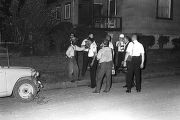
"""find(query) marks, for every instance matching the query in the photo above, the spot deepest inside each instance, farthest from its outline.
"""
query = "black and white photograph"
(89, 59)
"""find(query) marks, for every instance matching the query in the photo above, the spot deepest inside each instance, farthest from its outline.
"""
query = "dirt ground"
(159, 100)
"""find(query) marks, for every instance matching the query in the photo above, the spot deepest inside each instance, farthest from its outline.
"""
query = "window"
(67, 14)
(164, 9)
(112, 9)
(56, 13)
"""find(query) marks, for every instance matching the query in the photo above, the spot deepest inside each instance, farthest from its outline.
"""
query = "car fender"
(10, 89)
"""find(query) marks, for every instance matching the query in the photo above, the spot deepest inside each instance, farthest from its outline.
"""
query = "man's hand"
(124, 64)
(91, 64)
(142, 66)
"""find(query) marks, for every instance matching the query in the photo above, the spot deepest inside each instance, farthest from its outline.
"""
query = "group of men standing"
(102, 58)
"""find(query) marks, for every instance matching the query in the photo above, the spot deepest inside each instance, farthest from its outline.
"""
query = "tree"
(30, 20)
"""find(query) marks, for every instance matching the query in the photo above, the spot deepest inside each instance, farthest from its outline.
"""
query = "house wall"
(139, 16)
(74, 11)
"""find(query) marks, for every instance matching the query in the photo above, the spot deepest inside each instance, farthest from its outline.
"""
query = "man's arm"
(125, 58)
(142, 60)
(79, 48)
(94, 57)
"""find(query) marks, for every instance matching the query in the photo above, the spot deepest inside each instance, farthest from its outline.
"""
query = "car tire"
(25, 90)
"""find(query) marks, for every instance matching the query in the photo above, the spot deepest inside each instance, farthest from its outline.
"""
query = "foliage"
(147, 41)
(176, 43)
(30, 23)
(163, 40)
(59, 35)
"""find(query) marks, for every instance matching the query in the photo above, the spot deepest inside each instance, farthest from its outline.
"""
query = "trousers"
(119, 59)
(133, 69)
(85, 63)
(104, 71)
(73, 70)
(93, 70)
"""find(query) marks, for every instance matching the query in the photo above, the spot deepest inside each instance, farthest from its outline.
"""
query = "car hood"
(19, 70)
(17, 67)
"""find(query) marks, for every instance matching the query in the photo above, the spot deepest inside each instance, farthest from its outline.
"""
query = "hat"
(121, 35)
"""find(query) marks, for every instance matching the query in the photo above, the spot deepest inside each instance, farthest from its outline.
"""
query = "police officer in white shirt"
(134, 60)
(93, 62)
(86, 43)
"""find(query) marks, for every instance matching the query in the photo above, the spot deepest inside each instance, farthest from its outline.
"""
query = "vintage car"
(21, 82)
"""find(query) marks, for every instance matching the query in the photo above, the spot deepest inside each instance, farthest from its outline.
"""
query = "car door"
(2, 81)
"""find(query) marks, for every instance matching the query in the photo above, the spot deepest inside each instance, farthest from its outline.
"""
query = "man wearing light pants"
(104, 68)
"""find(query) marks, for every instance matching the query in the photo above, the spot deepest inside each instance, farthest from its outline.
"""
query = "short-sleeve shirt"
(84, 43)
(135, 48)
(92, 49)
(104, 55)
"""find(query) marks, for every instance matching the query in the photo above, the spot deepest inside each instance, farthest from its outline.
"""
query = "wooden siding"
(74, 11)
(139, 16)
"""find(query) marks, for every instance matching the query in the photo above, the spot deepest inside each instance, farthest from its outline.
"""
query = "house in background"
(147, 17)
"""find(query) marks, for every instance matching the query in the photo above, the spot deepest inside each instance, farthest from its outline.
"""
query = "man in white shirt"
(134, 60)
(105, 67)
(73, 70)
(86, 43)
(93, 62)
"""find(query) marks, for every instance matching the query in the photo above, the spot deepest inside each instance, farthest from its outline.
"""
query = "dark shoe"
(91, 86)
(128, 91)
(96, 91)
(124, 86)
(138, 90)
(106, 91)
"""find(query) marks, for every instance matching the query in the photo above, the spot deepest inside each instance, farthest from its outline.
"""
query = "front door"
(2, 81)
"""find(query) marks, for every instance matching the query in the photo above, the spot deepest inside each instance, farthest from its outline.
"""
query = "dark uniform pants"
(134, 70)
(119, 59)
(104, 68)
(93, 70)
(85, 62)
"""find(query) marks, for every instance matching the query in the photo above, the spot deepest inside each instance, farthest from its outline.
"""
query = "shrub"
(163, 40)
(176, 43)
(60, 35)
(41, 45)
(147, 41)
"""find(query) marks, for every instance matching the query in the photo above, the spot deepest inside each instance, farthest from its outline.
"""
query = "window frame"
(171, 11)
(65, 11)
(58, 7)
